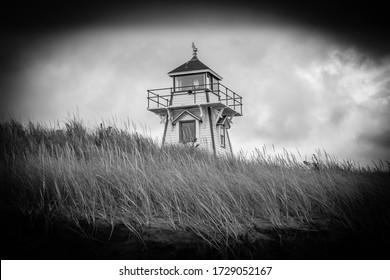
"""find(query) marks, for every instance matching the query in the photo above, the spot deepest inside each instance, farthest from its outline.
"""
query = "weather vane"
(194, 48)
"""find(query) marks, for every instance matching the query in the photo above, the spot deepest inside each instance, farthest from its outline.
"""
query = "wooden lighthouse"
(197, 109)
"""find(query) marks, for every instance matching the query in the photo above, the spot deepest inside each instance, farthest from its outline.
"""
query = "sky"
(311, 78)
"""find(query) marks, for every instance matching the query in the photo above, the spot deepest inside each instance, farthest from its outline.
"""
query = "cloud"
(335, 99)
(376, 137)
(351, 106)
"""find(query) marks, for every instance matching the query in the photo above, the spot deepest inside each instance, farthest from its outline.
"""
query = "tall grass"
(108, 175)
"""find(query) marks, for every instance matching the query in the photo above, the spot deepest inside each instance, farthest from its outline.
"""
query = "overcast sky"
(306, 83)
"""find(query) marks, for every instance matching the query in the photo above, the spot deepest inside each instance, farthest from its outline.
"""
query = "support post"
(169, 116)
(219, 115)
(211, 130)
(165, 129)
(201, 111)
(211, 125)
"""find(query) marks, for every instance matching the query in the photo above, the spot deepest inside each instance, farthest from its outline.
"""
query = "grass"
(109, 175)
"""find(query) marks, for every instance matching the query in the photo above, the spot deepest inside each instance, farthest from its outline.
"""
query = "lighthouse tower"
(197, 109)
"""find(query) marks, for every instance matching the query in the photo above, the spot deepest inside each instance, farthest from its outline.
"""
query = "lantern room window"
(214, 84)
(189, 82)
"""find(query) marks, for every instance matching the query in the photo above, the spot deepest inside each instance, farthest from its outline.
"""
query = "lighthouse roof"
(194, 65)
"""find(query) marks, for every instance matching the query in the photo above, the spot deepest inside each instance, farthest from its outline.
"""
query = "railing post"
(226, 99)
(158, 101)
(241, 105)
(217, 89)
(234, 101)
(148, 98)
(171, 97)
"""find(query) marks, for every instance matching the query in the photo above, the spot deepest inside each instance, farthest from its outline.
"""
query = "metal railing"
(163, 97)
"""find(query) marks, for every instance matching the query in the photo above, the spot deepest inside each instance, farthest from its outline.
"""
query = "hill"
(106, 193)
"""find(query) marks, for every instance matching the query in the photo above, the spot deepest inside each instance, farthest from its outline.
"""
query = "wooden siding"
(230, 143)
(221, 150)
(205, 140)
(172, 134)
(213, 97)
(194, 111)
(203, 134)
(199, 97)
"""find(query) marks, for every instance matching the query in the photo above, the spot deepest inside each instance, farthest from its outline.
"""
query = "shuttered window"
(187, 132)
(223, 136)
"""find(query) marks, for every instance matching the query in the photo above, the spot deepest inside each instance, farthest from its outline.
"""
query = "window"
(189, 82)
(187, 132)
(223, 135)
(215, 85)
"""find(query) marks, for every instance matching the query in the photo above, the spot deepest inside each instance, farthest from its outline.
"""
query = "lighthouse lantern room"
(197, 109)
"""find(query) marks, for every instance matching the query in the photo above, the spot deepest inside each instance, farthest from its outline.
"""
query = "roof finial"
(194, 49)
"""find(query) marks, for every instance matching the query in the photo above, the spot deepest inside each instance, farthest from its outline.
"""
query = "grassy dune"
(107, 175)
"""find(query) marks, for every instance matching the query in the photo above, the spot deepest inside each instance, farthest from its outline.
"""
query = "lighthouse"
(198, 109)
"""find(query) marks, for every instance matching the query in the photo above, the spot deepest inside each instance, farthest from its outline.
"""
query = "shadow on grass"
(32, 237)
